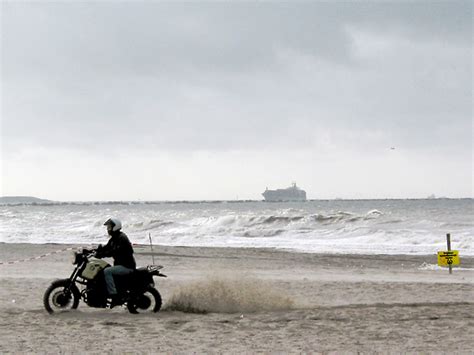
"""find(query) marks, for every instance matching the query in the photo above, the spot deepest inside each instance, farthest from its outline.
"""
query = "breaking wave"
(369, 226)
(150, 225)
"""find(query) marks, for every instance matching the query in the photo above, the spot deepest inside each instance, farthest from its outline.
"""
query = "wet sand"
(262, 301)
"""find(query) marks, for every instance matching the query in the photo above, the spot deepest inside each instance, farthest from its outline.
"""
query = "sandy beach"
(254, 300)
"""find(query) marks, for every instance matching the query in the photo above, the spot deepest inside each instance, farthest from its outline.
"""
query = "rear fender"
(154, 270)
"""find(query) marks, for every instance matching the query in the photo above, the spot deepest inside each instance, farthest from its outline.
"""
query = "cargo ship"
(292, 193)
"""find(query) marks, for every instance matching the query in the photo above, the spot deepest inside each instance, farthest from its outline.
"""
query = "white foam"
(436, 267)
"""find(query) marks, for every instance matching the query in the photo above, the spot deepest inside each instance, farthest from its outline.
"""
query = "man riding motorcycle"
(121, 250)
(92, 280)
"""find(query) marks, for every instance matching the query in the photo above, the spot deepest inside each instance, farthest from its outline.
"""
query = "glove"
(98, 251)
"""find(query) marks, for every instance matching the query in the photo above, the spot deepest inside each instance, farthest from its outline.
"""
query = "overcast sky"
(219, 100)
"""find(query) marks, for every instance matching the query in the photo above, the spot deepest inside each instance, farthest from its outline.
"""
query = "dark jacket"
(119, 248)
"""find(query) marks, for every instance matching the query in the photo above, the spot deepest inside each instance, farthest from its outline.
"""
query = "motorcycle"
(137, 290)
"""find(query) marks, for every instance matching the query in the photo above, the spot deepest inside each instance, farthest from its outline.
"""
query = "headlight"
(74, 258)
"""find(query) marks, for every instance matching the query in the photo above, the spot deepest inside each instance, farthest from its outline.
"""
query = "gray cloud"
(235, 75)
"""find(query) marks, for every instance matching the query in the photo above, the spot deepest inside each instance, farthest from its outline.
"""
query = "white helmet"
(114, 223)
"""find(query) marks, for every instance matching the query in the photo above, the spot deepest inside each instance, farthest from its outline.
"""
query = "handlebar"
(89, 252)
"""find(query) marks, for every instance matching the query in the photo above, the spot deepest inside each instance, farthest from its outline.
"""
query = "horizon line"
(139, 201)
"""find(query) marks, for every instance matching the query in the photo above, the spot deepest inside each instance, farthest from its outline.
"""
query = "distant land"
(30, 200)
(23, 200)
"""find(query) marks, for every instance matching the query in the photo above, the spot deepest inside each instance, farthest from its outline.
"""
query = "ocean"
(319, 226)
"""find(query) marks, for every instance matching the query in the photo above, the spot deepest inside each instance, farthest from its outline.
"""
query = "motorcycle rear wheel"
(149, 301)
(58, 298)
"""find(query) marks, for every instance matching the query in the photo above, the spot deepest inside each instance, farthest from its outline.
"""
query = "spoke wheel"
(58, 298)
(148, 302)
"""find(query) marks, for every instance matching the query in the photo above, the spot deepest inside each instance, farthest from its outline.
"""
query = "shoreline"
(429, 256)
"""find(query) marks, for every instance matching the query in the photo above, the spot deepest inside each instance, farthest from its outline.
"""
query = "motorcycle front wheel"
(148, 302)
(59, 298)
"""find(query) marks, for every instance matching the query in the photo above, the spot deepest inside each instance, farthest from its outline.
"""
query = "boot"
(116, 300)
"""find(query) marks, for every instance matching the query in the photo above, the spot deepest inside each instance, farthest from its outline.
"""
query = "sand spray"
(224, 293)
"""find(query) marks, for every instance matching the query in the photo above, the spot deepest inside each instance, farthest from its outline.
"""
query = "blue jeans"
(109, 277)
